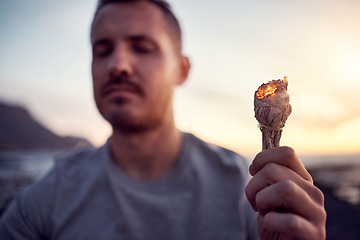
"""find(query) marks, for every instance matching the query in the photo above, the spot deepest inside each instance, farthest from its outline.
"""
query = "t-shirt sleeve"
(246, 211)
(14, 225)
(250, 219)
(28, 216)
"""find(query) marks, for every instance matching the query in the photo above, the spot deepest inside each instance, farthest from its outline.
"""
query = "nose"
(120, 64)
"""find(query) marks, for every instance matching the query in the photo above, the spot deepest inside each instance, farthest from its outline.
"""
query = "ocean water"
(39, 162)
(311, 161)
(19, 169)
(339, 172)
(33, 163)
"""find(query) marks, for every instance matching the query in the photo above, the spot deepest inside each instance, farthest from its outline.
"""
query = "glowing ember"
(272, 109)
(270, 88)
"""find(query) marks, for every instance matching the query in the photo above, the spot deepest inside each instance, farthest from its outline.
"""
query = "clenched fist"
(289, 206)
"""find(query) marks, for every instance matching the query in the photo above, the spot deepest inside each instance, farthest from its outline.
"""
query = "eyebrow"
(134, 38)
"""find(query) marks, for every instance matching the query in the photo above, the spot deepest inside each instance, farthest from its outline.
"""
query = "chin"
(131, 123)
(124, 121)
(131, 118)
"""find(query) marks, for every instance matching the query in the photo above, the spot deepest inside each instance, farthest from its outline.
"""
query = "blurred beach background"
(234, 46)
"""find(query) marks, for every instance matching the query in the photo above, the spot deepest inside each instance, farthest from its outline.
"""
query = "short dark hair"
(160, 4)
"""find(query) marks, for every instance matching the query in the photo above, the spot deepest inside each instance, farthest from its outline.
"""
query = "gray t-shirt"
(87, 196)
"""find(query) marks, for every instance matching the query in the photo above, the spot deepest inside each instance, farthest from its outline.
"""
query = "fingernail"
(251, 170)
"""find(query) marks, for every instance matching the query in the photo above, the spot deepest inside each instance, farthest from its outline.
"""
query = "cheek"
(96, 70)
(162, 83)
(166, 72)
(96, 80)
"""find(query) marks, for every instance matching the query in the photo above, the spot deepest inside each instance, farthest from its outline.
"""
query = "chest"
(189, 209)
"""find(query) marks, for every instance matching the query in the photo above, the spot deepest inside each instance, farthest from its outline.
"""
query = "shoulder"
(32, 212)
(69, 168)
(72, 171)
(77, 161)
(215, 154)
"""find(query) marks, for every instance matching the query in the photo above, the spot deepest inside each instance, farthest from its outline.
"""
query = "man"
(151, 181)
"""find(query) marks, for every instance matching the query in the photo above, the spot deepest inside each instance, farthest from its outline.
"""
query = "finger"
(284, 156)
(273, 173)
(289, 226)
(286, 196)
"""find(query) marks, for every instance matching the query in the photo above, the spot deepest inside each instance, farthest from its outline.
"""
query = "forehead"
(128, 18)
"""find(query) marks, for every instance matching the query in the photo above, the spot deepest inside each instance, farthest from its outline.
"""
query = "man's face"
(135, 66)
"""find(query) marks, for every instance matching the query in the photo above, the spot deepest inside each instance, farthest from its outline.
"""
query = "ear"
(184, 69)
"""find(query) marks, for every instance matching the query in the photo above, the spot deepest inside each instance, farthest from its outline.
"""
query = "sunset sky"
(234, 46)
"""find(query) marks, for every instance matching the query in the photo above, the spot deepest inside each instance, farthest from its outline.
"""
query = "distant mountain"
(18, 130)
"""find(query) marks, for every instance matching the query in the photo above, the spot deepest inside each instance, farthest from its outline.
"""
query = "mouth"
(121, 90)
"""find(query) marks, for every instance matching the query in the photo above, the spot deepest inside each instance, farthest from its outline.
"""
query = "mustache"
(121, 82)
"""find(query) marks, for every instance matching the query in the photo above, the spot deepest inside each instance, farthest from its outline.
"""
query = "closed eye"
(102, 48)
(142, 44)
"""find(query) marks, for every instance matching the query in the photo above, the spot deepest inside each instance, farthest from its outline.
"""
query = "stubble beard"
(127, 122)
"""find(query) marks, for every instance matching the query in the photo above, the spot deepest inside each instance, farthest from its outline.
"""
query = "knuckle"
(270, 170)
(259, 198)
(267, 222)
(288, 190)
(294, 224)
(309, 178)
(321, 214)
(322, 233)
(288, 152)
(289, 187)
(318, 196)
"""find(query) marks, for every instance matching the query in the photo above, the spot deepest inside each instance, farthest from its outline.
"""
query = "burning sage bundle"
(272, 109)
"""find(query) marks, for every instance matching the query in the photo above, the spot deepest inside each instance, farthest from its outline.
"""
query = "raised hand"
(289, 206)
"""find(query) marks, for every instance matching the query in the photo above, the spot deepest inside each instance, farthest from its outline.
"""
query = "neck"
(147, 155)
